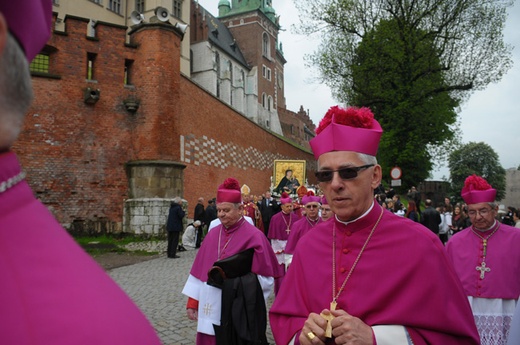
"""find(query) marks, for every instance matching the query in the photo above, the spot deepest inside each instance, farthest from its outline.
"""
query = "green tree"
(479, 159)
(413, 63)
(399, 95)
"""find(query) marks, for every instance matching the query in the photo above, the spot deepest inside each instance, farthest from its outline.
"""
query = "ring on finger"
(311, 335)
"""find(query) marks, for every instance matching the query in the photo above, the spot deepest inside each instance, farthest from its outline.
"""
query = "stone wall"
(85, 160)
(512, 197)
(146, 216)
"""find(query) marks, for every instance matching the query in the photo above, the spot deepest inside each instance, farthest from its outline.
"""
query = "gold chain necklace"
(313, 223)
(220, 252)
(335, 296)
(483, 268)
(287, 225)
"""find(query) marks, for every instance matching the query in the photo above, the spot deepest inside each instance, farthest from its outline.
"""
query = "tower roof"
(220, 36)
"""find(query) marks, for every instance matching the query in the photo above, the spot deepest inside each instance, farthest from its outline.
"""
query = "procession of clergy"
(348, 271)
(362, 276)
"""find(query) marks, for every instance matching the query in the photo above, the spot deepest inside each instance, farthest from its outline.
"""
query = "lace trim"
(493, 329)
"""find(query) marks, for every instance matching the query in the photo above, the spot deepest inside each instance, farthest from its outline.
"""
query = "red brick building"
(114, 120)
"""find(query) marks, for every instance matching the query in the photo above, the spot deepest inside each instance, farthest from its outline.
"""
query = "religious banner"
(288, 175)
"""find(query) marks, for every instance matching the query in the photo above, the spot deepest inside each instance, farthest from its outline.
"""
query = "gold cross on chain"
(329, 318)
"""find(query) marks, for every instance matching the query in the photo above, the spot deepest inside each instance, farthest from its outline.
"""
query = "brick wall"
(76, 154)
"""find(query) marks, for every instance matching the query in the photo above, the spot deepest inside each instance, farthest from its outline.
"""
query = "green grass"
(97, 245)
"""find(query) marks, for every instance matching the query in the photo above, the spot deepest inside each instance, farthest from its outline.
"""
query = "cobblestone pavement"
(155, 286)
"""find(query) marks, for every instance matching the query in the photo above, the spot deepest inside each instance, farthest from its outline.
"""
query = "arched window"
(269, 103)
(265, 45)
(264, 100)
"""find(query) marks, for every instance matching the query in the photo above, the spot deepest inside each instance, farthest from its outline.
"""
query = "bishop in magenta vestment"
(417, 288)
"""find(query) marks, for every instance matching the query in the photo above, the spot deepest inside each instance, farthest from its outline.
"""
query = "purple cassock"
(279, 230)
(492, 283)
(53, 292)
(219, 244)
(300, 228)
(280, 225)
(403, 277)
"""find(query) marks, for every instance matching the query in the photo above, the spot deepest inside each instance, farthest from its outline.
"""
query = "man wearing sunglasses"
(487, 261)
(367, 276)
(311, 204)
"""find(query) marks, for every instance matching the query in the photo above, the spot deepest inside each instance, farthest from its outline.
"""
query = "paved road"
(155, 286)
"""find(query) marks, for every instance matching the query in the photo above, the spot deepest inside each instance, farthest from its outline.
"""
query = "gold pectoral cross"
(329, 318)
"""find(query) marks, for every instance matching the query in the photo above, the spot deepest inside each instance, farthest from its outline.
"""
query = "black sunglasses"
(345, 173)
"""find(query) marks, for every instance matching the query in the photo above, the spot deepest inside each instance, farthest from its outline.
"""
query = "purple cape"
(52, 291)
(278, 225)
(503, 259)
(244, 236)
(300, 228)
(404, 277)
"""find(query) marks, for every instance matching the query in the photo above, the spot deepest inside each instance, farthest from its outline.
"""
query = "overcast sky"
(491, 116)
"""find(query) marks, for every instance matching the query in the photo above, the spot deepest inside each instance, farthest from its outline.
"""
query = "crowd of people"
(327, 254)
(345, 266)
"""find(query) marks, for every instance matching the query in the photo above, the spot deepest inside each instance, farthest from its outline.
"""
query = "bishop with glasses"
(367, 276)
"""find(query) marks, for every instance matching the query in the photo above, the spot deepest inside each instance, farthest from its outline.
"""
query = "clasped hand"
(346, 329)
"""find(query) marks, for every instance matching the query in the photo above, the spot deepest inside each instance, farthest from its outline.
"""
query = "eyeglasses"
(325, 209)
(311, 206)
(345, 173)
(483, 212)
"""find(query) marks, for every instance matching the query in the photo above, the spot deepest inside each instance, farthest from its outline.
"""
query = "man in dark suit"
(430, 217)
(200, 215)
(268, 207)
(210, 213)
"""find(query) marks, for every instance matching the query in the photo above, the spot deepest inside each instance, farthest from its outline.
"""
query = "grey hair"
(367, 159)
(15, 91)
(493, 204)
(177, 200)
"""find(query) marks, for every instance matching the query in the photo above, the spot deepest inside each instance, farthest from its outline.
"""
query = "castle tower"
(255, 26)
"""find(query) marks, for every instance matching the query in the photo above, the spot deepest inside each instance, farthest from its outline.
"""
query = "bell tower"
(255, 27)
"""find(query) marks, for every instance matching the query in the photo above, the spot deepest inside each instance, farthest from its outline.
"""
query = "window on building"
(91, 58)
(114, 6)
(191, 61)
(40, 63)
(128, 71)
(139, 6)
(266, 72)
(177, 8)
(55, 2)
(264, 100)
(217, 63)
(265, 45)
(269, 103)
(232, 82)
